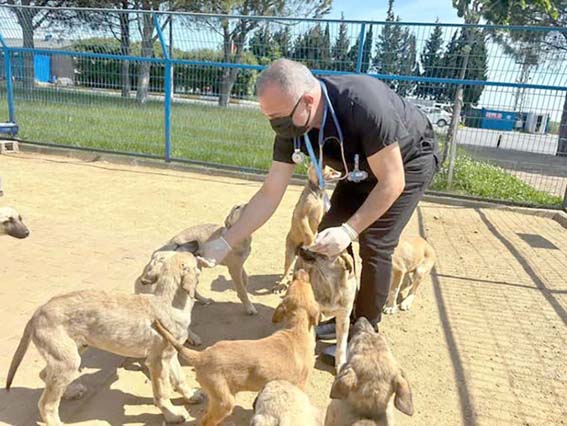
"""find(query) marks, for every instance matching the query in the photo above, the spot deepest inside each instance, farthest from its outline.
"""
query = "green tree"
(396, 52)
(282, 39)
(431, 64)
(341, 48)
(234, 32)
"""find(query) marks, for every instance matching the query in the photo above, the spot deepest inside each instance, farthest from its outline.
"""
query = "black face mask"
(284, 127)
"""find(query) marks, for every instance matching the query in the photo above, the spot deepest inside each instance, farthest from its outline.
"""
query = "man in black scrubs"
(391, 139)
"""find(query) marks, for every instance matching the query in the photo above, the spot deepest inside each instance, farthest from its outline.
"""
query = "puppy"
(229, 367)
(118, 323)
(234, 261)
(306, 217)
(413, 258)
(368, 382)
(281, 403)
(334, 285)
(11, 223)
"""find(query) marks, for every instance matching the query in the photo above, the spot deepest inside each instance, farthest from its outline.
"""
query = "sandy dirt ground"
(484, 343)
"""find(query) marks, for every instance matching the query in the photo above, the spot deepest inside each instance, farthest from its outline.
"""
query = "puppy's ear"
(403, 399)
(302, 275)
(280, 311)
(344, 383)
(313, 314)
(349, 264)
(190, 279)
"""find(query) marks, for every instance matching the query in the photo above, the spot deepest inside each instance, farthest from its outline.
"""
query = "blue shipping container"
(497, 120)
(42, 68)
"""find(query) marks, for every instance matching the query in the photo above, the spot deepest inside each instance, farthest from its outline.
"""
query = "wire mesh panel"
(181, 86)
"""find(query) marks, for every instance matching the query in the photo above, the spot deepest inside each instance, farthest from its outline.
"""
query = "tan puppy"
(413, 258)
(368, 382)
(282, 404)
(234, 261)
(306, 217)
(229, 367)
(334, 284)
(11, 223)
(118, 323)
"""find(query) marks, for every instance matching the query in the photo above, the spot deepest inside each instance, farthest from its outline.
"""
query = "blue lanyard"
(319, 164)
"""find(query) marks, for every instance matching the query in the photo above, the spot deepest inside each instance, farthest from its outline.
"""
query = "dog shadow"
(258, 285)
(239, 415)
(228, 321)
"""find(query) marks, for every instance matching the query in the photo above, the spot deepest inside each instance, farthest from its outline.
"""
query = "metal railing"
(180, 86)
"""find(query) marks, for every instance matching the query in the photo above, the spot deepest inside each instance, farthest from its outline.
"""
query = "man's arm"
(388, 168)
(259, 209)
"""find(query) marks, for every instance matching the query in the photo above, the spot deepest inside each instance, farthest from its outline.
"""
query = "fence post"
(167, 90)
(360, 48)
(9, 83)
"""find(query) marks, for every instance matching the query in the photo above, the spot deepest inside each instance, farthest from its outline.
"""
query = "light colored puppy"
(234, 261)
(118, 323)
(413, 259)
(233, 366)
(11, 223)
(307, 215)
(334, 284)
(282, 404)
(370, 383)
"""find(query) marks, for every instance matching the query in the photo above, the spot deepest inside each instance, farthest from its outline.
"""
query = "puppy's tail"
(192, 357)
(19, 354)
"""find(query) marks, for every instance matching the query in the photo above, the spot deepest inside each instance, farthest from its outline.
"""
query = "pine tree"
(477, 68)
(407, 63)
(432, 64)
(282, 39)
(367, 50)
(341, 49)
(262, 45)
(325, 54)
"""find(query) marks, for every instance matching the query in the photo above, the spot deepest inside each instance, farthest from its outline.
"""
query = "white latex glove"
(213, 252)
(333, 241)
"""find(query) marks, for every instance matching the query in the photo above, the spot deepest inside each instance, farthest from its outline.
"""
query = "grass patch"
(482, 179)
(232, 136)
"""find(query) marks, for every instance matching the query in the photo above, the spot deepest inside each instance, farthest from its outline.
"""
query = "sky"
(408, 10)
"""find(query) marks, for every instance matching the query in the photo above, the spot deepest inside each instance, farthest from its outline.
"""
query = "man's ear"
(280, 311)
(344, 383)
(403, 399)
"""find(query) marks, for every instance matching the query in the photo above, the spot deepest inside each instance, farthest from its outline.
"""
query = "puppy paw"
(75, 391)
(194, 340)
(251, 310)
(197, 397)
(176, 415)
(406, 303)
(389, 310)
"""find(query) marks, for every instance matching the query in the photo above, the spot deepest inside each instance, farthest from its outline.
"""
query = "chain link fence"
(180, 86)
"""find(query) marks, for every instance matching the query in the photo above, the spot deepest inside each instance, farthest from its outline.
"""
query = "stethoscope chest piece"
(298, 157)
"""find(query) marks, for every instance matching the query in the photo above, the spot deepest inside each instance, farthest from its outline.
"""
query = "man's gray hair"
(293, 78)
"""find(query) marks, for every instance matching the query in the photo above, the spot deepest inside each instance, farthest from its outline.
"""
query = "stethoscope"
(356, 175)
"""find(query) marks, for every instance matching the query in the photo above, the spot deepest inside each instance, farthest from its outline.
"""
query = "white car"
(437, 116)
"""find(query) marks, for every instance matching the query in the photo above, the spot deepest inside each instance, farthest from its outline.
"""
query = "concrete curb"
(258, 176)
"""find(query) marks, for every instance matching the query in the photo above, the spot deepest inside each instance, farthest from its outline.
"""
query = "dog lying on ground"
(229, 367)
(334, 285)
(282, 404)
(368, 382)
(234, 261)
(117, 323)
(413, 258)
(306, 217)
(11, 223)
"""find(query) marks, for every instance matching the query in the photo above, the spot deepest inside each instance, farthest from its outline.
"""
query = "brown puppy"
(413, 258)
(11, 223)
(234, 261)
(117, 323)
(305, 220)
(281, 403)
(368, 382)
(334, 284)
(229, 367)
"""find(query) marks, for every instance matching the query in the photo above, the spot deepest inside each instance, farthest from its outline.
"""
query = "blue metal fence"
(181, 86)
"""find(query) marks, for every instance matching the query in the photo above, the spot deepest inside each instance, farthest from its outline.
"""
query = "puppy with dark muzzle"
(11, 223)
(334, 285)
(370, 384)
